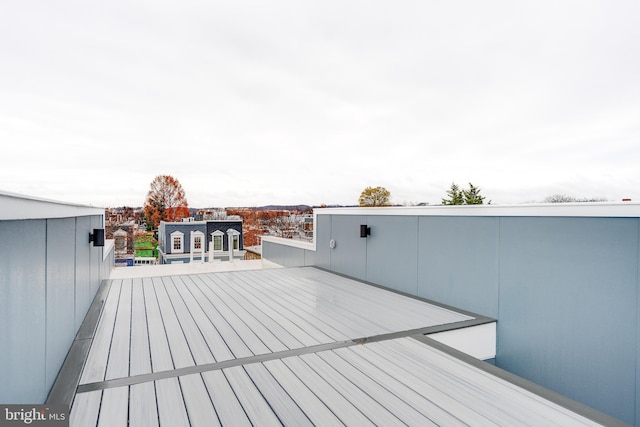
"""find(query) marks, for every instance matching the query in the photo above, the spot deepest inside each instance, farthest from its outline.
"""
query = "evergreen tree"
(472, 196)
(456, 196)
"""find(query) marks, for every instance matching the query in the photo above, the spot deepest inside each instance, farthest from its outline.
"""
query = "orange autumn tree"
(165, 202)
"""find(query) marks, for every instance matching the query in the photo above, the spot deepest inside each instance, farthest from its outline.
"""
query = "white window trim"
(219, 234)
(180, 235)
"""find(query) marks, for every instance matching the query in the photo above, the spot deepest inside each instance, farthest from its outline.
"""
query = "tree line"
(166, 199)
(380, 196)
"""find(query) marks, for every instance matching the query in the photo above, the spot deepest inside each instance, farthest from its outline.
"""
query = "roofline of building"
(584, 209)
(20, 207)
(202, 222)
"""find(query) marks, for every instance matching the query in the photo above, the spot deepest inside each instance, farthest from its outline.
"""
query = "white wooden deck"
(273, 347)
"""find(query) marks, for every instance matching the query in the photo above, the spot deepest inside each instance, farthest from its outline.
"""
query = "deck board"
(86, 407)
(257, 409)
(140, 356)
(143, 410)
(233, 342)
(271, 333)
(118, 362)
(171, 407)
(305, 317)
(380, 405)
(232, 288)
(198, 347)
(96, 364)
(198, 402)
(369, 376)
(228, 408)
(297, 294)
(278, 398)
(161, 359)
(240, 329)
(248, 343)
(114, 408)
(209, 330)
(180, 351)
(343, 406)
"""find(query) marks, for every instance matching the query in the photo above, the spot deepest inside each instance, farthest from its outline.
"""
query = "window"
(177, 242)
(197, 242)
(217, 243)
(236, 240)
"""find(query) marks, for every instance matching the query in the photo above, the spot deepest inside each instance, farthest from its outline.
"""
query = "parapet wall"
(49, 274)
(561, 280)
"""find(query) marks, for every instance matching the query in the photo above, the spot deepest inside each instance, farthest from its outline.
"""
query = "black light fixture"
(365, 231)
(97, 237)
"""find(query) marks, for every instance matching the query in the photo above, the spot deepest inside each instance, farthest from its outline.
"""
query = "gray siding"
(288, 256)
(458, 262)
(322, 253)
(60, 294)
(22, 311)
(564, 289)
(49, 273)
(568, 307)
(394, 239)
(350, 254)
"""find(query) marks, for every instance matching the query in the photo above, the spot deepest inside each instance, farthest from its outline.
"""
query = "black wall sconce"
(365, 231)
(97, 237)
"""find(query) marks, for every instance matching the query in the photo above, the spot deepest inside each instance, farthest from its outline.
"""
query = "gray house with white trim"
(189, 241)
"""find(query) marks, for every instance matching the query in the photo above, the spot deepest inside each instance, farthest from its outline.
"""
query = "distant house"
(189, 240)
(145, 249)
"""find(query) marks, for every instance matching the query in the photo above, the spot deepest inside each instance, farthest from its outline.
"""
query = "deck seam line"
(154, 376)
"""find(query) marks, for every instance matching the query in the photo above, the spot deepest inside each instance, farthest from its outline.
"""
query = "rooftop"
(292, 346)
(581, 209)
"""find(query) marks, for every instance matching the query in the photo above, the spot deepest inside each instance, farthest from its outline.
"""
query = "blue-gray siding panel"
(393, 239)
(22, 311)
(637, 331)
(60, 324)
(349, 255)
(322, 236)
(568, 307)
(48, 277)
(84, 287)
(458, 262)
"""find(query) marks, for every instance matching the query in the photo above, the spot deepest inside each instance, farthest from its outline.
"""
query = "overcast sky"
(249, 103)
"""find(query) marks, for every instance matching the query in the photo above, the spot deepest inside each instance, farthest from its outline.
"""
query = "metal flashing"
(64, 387)
(591, 209)
(20, 207)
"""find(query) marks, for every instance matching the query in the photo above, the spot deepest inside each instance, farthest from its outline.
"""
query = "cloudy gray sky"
(251, 102)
